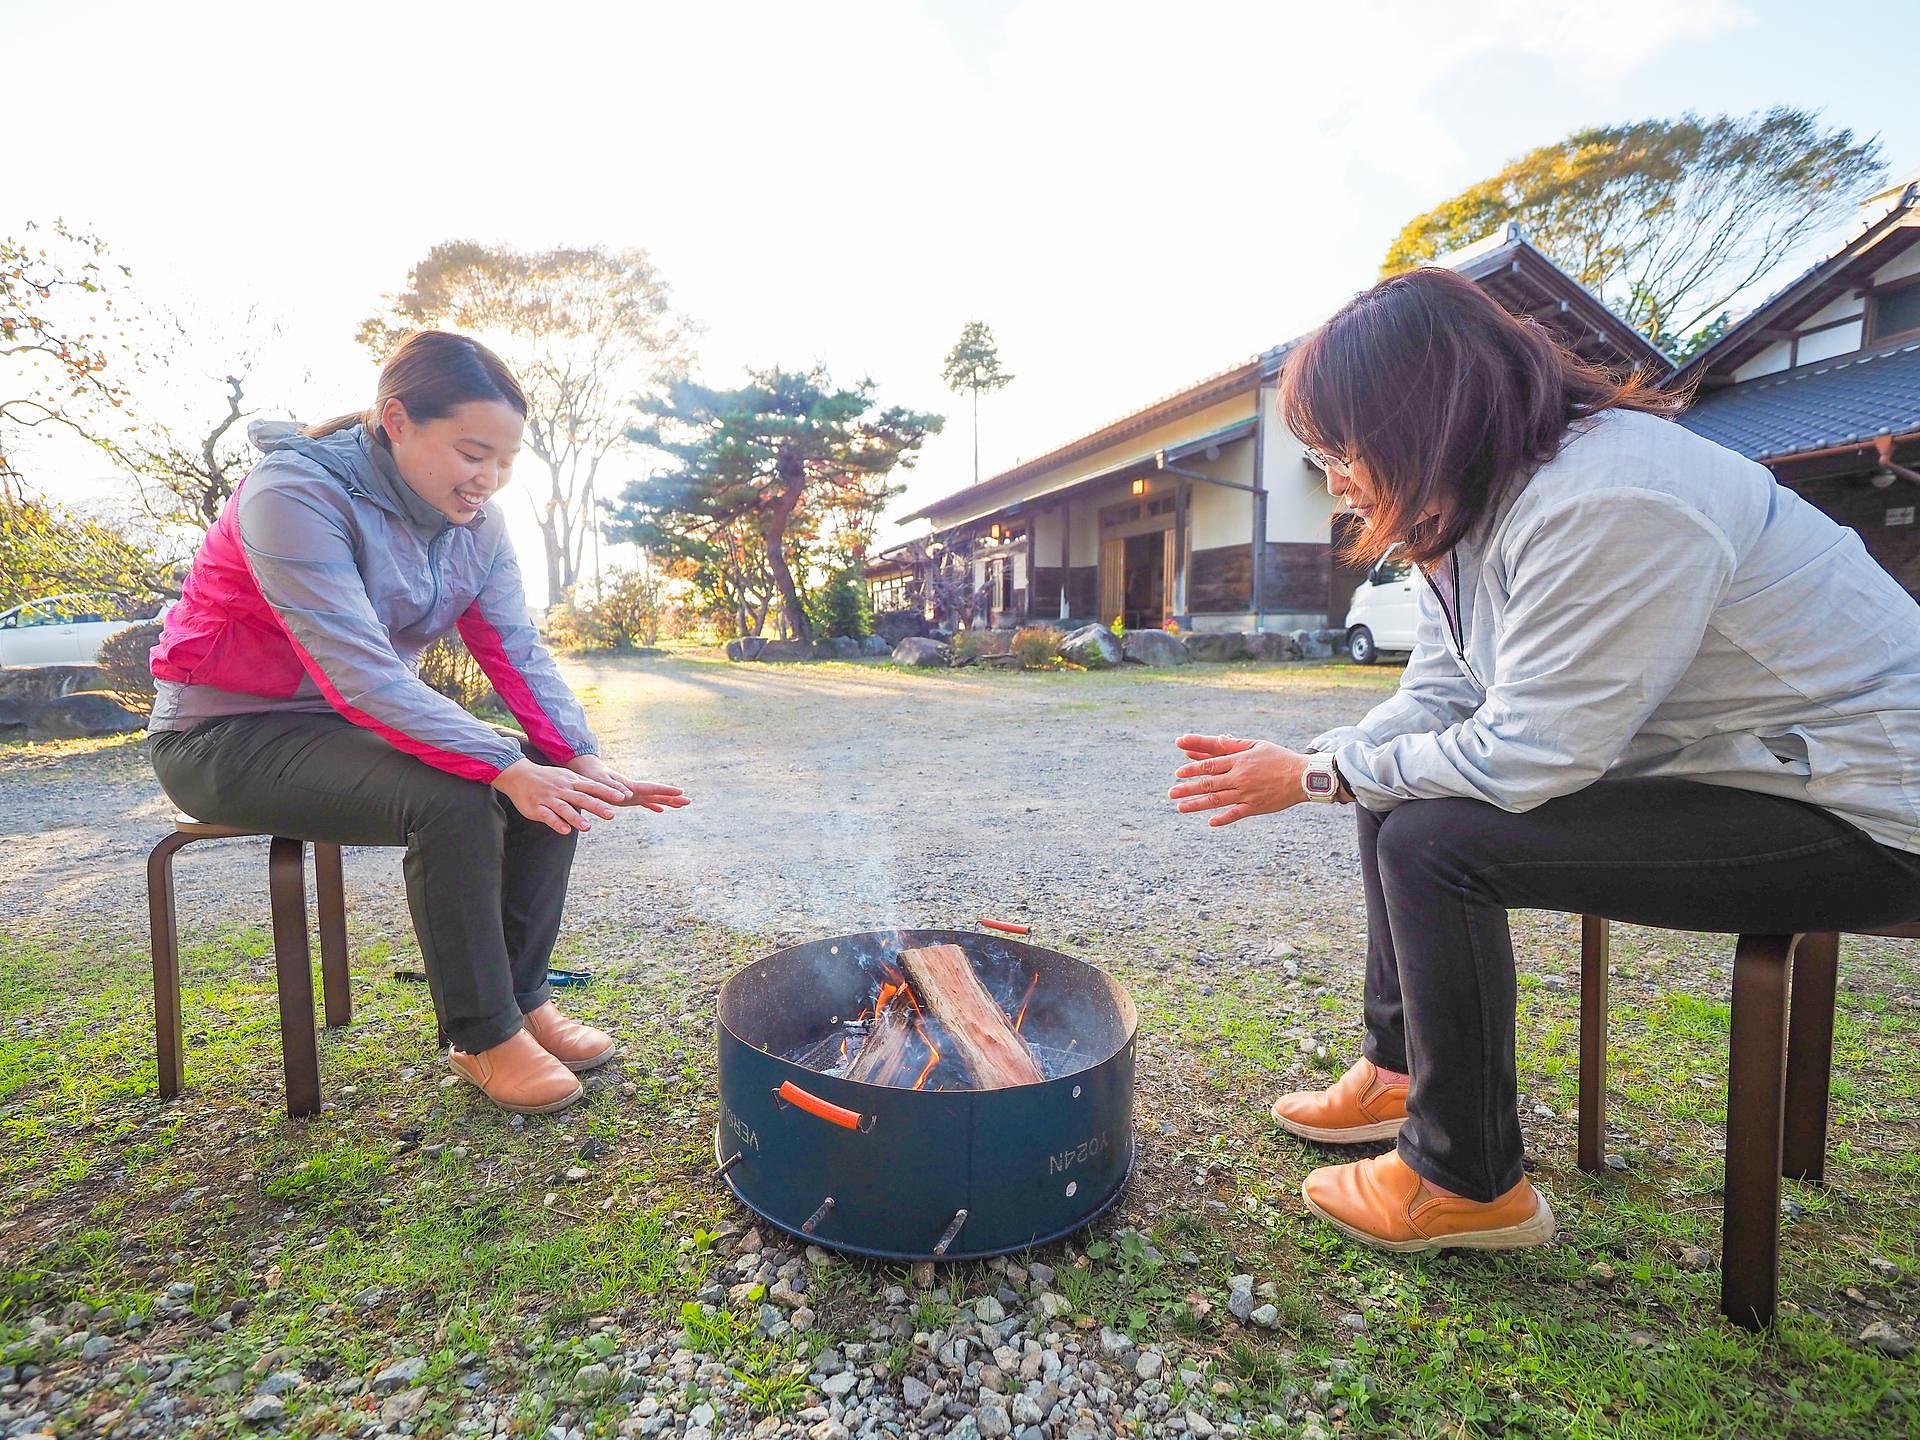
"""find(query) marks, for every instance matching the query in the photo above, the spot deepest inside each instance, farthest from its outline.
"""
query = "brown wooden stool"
(1780, 1074)
(293, 965)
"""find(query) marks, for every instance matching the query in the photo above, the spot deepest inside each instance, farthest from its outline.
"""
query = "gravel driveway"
(828, 797)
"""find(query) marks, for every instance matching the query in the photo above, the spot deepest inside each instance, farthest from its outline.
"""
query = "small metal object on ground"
(952, 1231)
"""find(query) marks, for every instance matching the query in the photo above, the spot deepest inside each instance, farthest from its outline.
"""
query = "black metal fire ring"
(951, 1257)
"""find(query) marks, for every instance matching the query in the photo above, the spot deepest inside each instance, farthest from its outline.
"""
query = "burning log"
(986, 1044)
(886, 1055)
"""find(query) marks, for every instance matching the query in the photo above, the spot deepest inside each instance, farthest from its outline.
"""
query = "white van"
(64, 629)
(1384, 611)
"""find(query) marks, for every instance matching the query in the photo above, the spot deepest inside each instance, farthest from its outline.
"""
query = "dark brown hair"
(432, 373)
(1450, 402)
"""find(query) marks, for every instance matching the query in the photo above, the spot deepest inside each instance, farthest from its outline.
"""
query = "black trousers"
(485, 885)
(1440, 876)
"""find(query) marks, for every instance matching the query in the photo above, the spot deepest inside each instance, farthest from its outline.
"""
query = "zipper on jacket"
(1453, 621)
(433, 567)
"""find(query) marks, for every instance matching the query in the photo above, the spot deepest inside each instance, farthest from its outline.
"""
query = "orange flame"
(1021, 1018)
(933, 1051)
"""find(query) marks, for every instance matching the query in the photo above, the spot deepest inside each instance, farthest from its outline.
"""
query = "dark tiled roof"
(1850, 399)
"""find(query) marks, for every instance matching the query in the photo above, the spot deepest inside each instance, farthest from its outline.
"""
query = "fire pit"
(927, 1168)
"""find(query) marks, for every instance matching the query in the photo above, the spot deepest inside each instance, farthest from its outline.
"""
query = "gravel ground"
(827, 798)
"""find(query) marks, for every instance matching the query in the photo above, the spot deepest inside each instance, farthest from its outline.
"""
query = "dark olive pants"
(486, 886)
(1440, 876)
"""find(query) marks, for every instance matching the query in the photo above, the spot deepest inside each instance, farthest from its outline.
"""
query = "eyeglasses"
(1342, 468)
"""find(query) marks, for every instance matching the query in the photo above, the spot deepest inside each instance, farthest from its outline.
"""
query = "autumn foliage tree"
(774, 473)
(64, 352)
(1666, 220)
(585, 330)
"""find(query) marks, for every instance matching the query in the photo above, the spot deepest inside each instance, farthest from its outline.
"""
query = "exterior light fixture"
(1140, 487)
(996, 532)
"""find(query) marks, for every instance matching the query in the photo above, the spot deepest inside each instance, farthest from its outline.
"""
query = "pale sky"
(1131, 195)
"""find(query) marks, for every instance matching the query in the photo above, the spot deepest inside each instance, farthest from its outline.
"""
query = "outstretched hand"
(644, 793)
(1235, 777)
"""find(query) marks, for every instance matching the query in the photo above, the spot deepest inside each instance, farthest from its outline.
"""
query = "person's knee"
(447, 804)
(1428, 838)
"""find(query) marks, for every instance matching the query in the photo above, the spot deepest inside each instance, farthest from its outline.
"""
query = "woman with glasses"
(1629, 697)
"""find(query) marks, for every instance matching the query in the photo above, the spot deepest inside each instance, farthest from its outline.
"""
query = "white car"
(1384, 611)
(64, 629)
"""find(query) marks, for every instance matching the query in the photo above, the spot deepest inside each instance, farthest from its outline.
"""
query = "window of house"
(889, 593)
(1895, 312)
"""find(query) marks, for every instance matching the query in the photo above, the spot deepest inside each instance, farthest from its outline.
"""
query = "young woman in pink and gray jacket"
(288, 699)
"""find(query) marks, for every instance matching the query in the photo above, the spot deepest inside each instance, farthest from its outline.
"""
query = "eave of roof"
(1248, 375)
(1484, 262)
(1849, 400)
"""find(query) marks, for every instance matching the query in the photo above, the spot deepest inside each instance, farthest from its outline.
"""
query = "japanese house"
(1201, 507)
(1821, 383)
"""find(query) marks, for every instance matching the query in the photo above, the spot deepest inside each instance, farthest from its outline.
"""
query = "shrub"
(1037, 647)
(968, 646)
(841, 606)
(1119, 627)
(124, 662)
(626, 617)
(448, 667)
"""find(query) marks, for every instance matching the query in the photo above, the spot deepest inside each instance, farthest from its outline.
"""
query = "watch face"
(1319, 783)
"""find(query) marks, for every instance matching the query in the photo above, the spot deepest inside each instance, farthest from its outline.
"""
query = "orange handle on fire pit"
(826, 1110)
(1005, 927)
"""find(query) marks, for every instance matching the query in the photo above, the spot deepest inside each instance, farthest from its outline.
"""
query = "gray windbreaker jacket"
(1650, 603)
(322, 582)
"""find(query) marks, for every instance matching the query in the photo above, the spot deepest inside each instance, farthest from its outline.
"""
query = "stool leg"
(293, 973)
(1816, 967)
(1594, 953)
(166, 965)
(330, 886)
(1750, 1253)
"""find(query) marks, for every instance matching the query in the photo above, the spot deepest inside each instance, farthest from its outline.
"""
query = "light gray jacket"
(1650, 603)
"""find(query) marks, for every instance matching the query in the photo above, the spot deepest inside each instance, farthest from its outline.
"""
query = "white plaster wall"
(1221, 517)
(1769, 361)
(1847, 307)
(1298, 506)
(1215, 417)
(1840, 340)
(1900, 267)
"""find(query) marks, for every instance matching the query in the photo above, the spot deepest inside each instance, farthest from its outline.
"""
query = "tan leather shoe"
(1381, 1202)
(576, 1046)
(518, 1075)
(1357, 1107)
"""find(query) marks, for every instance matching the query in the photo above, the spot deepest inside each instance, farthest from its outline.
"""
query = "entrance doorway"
(1139, 549)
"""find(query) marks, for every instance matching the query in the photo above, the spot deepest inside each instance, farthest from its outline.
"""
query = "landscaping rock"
(14, 714)
(841, 647)
(875, 645)
(1883, 1337)
(921, 653)
(1267, 1317)
(1307, 645)
(1270, 645)
(1884, 1269)
(264, 1410)
(893, 626)
(401, 1374)
(1208, 645)
(1155, 648)
(404, 1406)
(36, 684)
(779, 650)
(748, 647)
(1692, 1257)
(915, 1392)
(1093, 646)
(81, 715)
